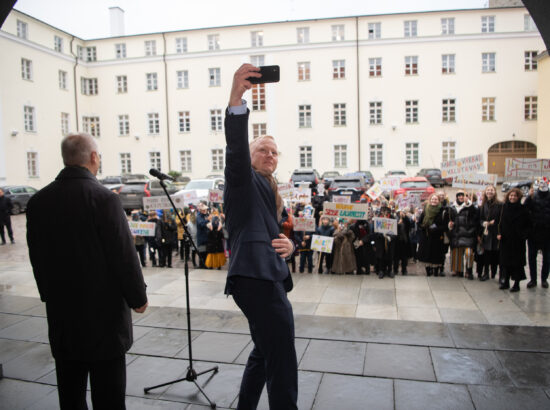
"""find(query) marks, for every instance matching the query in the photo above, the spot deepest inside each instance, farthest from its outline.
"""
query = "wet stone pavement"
(362, 343)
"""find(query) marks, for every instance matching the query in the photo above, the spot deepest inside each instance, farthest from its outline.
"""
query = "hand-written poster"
(142, 228)
(375, 191)
(385, 225)
(304, 224)
(527, 167)
(285, 190)
(461, 166)
(341, 199)
(301, 194)
(215, 195)
(322, 243)
(390, 183)
(474, 181)
(349, 211)
(161, 202)
(408, 199)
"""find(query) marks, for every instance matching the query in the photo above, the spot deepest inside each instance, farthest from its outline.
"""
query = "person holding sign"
(258, 276)
(463, 227)
(325, 229)
(432, 226)
(489, 215)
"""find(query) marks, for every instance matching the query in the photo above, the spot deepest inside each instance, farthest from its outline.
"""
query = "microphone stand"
(191, 375)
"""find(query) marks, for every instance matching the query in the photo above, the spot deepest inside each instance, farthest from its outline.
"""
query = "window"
(32, 164)
(531, 107)
(448, 150)
(185, 161)
(217, 160)
(100, 168)
(304, 71)
(375, 30)
(86, 53)
(256, 38)
(410, 28)
(214, 77)
(258, 97)
(338, 32)
(488, 62)
(184, 121)
(22, 29)
(259, 130)
(447, 63)
(305, 157)
(62, 78)
(528, 23)
(120, 50)
(304, 116)
(338, 69)
(375, 112)
(375, 151)
(64, 123)
(125, 163)
(216, 120)
(182, 79)
(153, 122)
(448, 25)
(411, 111)
(152, 81)
(154, 160)
(340, 156)
(123, 125)
(487, 24)
(151, 48)
(58, 44)
(181, 45)
(213, 42)
(411, 154)
(88, 86)
(257, 60)
(375, 67)
(26, 69)
(302, 34)
(29, 118)
(488, 109)
(448, 109)
(121, 84)
(91, 126)
(530, 61)
(339, 114)
(411, 65)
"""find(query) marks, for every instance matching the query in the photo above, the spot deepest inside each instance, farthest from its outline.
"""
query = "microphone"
(156, 173)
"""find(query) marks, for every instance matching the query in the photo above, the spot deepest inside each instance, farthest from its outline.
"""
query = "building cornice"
(36, 46)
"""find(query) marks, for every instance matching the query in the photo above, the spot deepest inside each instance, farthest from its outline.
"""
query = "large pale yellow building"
(397, 91)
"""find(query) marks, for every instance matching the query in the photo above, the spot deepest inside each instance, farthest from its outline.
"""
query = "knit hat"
(459, 193)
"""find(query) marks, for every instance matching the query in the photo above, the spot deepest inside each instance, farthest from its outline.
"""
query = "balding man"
(89, 276)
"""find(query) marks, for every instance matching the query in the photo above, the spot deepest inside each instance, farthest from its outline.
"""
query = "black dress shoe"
(504, 286)
(515, 288)
(484, 277)
(532, 284)
(545, 284)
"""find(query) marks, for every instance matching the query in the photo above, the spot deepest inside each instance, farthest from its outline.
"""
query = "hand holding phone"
(270, 74)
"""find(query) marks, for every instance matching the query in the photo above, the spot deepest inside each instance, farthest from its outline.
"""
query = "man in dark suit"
(258, 276)
(88, 274)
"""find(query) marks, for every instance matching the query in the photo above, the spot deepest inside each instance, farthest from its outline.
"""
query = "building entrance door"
(508, 149)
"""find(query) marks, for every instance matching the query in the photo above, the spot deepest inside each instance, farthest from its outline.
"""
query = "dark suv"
(132, 192)
(19, 195)
(310, 176)
(344, 186)
(328, 177)
(433, 175)
(367, 176)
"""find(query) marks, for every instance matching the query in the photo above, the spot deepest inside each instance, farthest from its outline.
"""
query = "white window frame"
(258, 97)
(411, 111)
(411, 65)
(257, 38)
(89, 86)
(302, 35)
(487, 24)
(214, 77)
(448, 150)
(125, 162)
(375, 112)
(448, 64)
(151, 81)
(530, 108)
(120, 50)
(304, 116)
(186, 163)
(410, 28)
(123, 125)
(62, 79)
(375, 67)
(181, 45)
(122, 84)
(530, 62)
(259, 130)
(216, 120)
(304, 71)
(306, 156)
(150, 48)
(32, 164)
(488, 109)
(338, 32)
(339, 112)
(184, 121)
(26, 69)
(153, 123)
(257, 60)
(374, 30)
(29, 118)
(155, 160)
(338, 69)
(488, 62)
(182, 79)
(91, 125)
(447, 26)
(376, 155)
(213, 42)
(22, 29)
(216, 156)
(412, 154)
(448, 110)
(58, 43)
(340, 156)
(64, 123)
(91, 53)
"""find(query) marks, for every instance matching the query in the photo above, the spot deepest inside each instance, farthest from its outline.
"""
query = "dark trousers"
(306, 255)
(273, 359)
(165, 254)
(292, 261)
(202, 260)
(7, 223)
(327, 257)
(107, 382)
(532, 255)
(141, 252)
(153, 254)
(490, 261)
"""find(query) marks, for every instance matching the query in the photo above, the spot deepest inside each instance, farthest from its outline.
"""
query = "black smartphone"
(270, 74)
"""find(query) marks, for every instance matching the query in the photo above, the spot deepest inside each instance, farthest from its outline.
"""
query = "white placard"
(215, 195)
(285, 190)
(142, 228)
(161, 202)
(385, 225)
(527, 167)
(390, 183)
(322, 243)
(375, 191)
(474, 181)
(341, 199)
(461, 166)
(349, 211)
(304, 224)
(301, 194)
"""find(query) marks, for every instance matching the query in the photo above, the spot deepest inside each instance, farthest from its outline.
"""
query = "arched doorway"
(508, 149)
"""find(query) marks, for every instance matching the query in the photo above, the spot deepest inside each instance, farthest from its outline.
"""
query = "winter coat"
(466, 225)
(215, 241)
(490, 211)
(514, 228)
(202, 230)
(343, 253)
(166, 233)
(299, 236)
(538, 206)
(5, 209)
(431, 247)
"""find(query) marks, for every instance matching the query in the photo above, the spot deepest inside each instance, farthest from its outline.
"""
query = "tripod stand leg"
(212, 404)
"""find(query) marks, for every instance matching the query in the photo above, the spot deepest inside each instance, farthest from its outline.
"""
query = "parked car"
(367, 176)
(202, 186)
(433, 175)
(415, 185)
(19, 195)
(328, 177)
(524, 185)
(344, 186)
(310, 176)
(392, 173)
(181, 182)
(133, 191)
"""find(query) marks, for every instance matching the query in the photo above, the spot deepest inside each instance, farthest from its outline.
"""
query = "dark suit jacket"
(85, 265)
(250, 210)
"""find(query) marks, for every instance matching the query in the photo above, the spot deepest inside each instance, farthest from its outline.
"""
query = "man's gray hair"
(76, 149)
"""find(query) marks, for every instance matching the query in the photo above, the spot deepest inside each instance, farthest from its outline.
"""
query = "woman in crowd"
(215, 258)
(343, 255)
(402, 251)
(463, 227)
(489, 215)
(192, 228)
(166, 237)
(512, 233)
(325, 229)
(431, 227)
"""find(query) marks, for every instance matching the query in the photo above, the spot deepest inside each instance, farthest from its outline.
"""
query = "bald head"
(78, 150)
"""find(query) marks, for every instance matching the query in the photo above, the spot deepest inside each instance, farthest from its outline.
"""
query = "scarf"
(430, 212)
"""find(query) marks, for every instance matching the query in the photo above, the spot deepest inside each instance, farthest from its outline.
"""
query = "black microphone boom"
(156, 173)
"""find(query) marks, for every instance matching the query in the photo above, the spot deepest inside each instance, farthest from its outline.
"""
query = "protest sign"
(215, 195)
(407, 199)
(142, 228)
(474, 181)
(285, 190)
(461, 166)
(341, 199)
(349, 211)
(375, 191)
(161, 202)
(321, 189)
(190, 197)
(304, 224)
(390, 183)
(322, 243)
(301, 194)
(385, 225)
(527, 167)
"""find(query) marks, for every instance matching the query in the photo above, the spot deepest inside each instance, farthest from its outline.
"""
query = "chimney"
(117, 21)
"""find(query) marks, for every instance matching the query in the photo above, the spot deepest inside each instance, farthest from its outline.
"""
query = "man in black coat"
(5, 217)
(89, 276)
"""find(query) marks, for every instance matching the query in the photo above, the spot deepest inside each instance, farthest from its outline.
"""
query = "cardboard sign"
(349, 211)
(474, 181)
(375, 191)
(407, 199)
(142, 228)
(322, 243)
(301, 194)
(161, 202)
(215, 195)
(461, 166)
(321, 189)
(190, 197)
(304, 224)
(390, 183)
(341, 199)
(385, 225)
(285, 190)
(527, 167)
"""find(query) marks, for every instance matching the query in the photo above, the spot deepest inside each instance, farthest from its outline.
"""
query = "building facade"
(398, 91)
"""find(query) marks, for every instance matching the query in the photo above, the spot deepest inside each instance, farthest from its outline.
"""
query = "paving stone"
(10, 349)
(9, 319)
(377, 297)
(353, 393)
(508, 398)
(308, 384)
(141, 403)
(50, 402)
(449, 315)
(299, 344)
(26, 329)
(39, 310)
(149, 371)
(217, 347)
(162, 342)
(17, 304)
(414, 395)
(31, 365)
(398, 362)
(469, 367)
(161, 317)
(16, 394)
(527, 369)
(335, 357)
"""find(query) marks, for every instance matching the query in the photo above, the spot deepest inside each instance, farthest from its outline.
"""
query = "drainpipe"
(74, 86)
(358, 94)
(167, 106)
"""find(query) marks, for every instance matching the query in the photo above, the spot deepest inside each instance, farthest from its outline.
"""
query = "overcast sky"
(89, 19)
